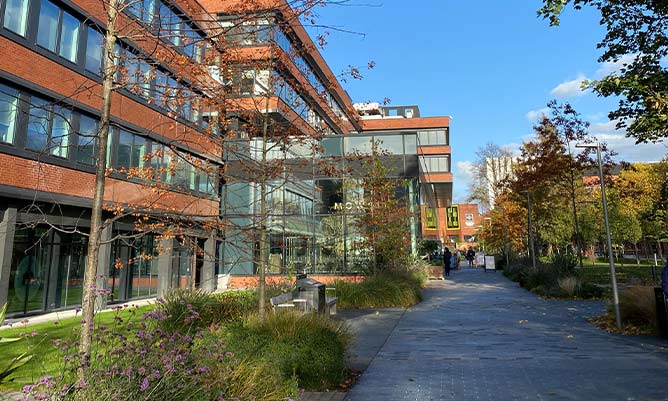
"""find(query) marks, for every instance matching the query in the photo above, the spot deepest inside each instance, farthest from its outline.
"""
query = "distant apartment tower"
(497, 169)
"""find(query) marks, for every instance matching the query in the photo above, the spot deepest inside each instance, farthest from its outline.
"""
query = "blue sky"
(492, 65)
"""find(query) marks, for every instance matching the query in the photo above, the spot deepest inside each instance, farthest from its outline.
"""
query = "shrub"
(382, 291)
(568, 285)
(589, 291)
(637, 306)
(185, 310)
(309, 347)
(232, 305)
(140, 361)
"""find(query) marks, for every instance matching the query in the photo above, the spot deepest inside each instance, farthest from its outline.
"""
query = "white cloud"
(534, 115)
(610, 67)
(626, 148)
(571, 88)
(463, 177)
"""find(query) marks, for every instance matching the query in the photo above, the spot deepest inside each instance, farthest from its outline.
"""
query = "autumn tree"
(637, 36)
(551, 169)
(385, 223)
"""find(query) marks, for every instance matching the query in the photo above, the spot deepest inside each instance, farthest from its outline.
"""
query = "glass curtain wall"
(133, 268)
(46, 271)
(314, 210)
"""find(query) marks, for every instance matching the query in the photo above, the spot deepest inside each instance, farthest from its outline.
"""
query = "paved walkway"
(479, 336)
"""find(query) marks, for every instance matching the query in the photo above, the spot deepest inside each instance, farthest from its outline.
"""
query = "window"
(157, 156)
(331, 147)
(87, 140)
(9, 99)
(94, 51)
(437, 137)
(360, 144)
(47, 34)
(206, 179)
(55, 23)
(124, 152)
(392, 144)
(37, 137)
(69, 37)
(16, 16)
(139, 150)
(435, 164)
(410, 144)
(60, 131)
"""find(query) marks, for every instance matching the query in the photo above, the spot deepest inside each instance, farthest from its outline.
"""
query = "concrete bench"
(330, 304)
(283, 301)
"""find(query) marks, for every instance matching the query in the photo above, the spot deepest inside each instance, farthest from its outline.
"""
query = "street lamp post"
(532, 249)
(505, 237)
(615, 295)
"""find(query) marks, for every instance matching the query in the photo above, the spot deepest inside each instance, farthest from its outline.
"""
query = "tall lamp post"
(615, 295)
(532, 249)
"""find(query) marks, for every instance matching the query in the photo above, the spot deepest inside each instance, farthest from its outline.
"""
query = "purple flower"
(144, 385)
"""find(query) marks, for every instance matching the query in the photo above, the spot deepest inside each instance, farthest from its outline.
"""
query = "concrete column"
(209, 265)
(7, 228)
(165, 266)
(103, 263)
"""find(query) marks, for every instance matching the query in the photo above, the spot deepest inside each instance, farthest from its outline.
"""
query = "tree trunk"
(193, 275)
(263, 198)
(89, 289)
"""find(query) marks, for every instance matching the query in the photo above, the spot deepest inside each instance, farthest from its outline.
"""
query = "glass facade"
(47, 270)
(133, 268)
(314, 211)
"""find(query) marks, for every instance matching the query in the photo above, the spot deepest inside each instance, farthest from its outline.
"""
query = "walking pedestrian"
(470, 256)
(447, 259)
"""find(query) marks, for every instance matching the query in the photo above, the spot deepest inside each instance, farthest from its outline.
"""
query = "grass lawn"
(627, 274)
(38, 341)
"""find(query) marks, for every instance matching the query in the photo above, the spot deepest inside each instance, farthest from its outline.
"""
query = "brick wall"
(238, 282)
(39, 176)
(50, 75)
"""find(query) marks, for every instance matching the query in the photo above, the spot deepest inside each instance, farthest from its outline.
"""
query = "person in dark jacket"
(447, 258)
(470, 256)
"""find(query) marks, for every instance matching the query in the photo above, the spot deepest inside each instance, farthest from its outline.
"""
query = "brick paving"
(478, 336)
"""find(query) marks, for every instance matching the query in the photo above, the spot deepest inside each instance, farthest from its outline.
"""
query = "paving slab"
(478, 336)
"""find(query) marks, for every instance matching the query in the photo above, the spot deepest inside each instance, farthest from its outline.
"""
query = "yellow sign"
(452, 217)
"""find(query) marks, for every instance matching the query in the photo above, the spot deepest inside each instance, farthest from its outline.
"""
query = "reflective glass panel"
(47, 31)
(87, 140)
(60, 133)
(124, 149)
(94, 51)
(9, 99)
(410, 144)
(69, 37)
(392, 144)
(16, 16)
(361, 144)
(38, 125)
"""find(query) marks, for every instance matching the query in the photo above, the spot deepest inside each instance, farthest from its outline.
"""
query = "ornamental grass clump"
(310, 348)
(143, 361)
(638, 307)
(386, 290)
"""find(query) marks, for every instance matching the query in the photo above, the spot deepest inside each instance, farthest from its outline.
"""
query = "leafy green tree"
(385, 223)
(638, 31)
